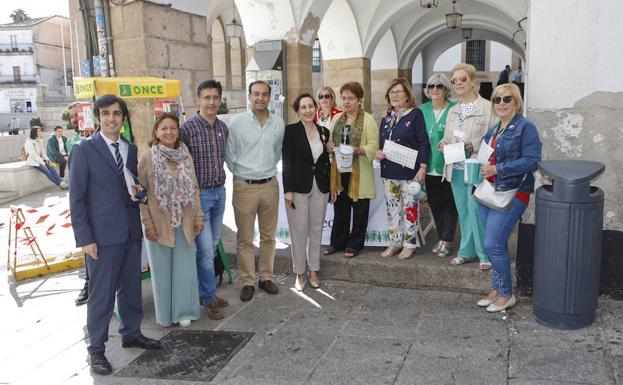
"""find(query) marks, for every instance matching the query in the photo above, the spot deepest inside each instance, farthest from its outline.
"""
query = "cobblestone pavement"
(345, 333)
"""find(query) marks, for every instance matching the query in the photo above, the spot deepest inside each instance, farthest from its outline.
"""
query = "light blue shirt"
(253, 150)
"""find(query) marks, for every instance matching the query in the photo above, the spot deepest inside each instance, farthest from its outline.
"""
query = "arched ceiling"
(355, 27)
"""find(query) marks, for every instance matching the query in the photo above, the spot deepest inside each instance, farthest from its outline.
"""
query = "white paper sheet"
(454, 152)
(400, 154)
(484, 153)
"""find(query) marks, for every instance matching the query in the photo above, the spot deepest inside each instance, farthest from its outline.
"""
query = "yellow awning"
(127, 87)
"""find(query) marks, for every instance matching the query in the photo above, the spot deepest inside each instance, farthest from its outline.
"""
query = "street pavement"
(345, 333)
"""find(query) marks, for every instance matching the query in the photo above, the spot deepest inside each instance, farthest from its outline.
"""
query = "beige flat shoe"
(390, 251)
(495, 308)
(406, 253)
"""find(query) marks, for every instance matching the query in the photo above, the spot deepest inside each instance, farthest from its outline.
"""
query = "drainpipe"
(87, 34)
(111, 51)
(101, 36)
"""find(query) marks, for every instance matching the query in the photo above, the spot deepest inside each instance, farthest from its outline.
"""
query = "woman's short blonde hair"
(470, 69)
(514, 91)
(405, 86)
(330, 90)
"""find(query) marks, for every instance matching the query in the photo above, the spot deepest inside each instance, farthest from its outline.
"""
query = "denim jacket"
(517, 152)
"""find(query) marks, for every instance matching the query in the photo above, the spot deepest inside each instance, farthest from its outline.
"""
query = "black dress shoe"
(83, 297)
(99, 364)
(142, 342)
(247, 293)
(269, 287)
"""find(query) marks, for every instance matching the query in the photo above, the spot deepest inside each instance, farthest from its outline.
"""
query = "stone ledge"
(423, 271)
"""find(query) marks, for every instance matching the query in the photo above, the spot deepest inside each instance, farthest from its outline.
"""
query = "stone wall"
(339, 71)
(380, 82)
(156, 40)
(591, 130)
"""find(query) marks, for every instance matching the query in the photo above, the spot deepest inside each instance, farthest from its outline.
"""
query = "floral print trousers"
(403, 211)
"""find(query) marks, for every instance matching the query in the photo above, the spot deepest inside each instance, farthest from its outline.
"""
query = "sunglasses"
(507, 99)
(437, 86)
(324, 96)
(462, 79)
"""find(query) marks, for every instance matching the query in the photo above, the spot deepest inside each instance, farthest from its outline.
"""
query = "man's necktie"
(119, 160)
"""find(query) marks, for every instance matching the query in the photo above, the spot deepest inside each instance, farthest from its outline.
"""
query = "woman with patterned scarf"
(172, 218)
(355, 128)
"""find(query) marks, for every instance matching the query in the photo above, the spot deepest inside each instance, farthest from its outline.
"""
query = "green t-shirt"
(435, 130)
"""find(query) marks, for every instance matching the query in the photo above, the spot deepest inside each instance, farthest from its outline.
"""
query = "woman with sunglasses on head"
(306, 164)
(352, 190)
(516, 152)
(328, 107)
(467, 123)
(438, 190)
(404, 125)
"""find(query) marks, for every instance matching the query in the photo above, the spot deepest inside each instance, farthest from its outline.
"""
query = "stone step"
(423, 271)
(7, 196)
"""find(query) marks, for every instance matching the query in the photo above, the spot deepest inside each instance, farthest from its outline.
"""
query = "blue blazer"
(101, 208)
(517, 153)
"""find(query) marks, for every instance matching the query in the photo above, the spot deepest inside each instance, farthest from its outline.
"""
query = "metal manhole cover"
(191, 355)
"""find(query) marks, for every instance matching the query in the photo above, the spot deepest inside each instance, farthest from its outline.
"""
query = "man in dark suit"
(57, 150)
(105, 218)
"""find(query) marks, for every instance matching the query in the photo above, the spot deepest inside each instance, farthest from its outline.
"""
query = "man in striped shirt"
(206, 137)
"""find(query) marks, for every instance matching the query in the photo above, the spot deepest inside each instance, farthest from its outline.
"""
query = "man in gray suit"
(106, 222)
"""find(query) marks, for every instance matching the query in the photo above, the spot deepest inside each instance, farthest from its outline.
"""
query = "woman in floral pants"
(404, 125)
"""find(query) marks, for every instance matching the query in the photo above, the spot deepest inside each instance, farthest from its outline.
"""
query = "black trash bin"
(567, 255)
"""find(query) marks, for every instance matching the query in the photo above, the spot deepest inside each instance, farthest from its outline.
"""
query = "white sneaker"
(184, 323)
(63, 185)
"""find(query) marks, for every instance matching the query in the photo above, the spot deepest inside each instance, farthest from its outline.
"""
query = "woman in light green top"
(438, 190)
(468, 121)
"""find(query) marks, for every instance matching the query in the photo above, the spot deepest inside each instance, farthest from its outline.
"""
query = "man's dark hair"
(107, 100)
(210, 84)
(57, 128)
(259, 82)
(33, 131)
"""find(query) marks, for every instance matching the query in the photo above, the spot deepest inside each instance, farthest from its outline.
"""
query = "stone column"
(380, 81)
(575, 98)
(156, 40)
(340, 71)
(406, 73)
(299, 73)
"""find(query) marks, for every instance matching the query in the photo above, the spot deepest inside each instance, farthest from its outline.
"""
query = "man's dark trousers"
(118, 269)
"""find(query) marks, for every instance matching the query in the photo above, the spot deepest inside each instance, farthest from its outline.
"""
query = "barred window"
(316, 56)
(475, 54)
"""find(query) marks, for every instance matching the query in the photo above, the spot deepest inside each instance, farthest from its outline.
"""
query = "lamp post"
(454, 19)
(233, 29)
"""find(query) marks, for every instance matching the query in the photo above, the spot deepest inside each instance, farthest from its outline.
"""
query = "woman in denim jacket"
(517, 150)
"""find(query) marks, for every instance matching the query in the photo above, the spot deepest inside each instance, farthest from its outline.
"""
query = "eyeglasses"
(324, 96)
(348, 98)
(462, 79)
(212, 97)
(506, 99)
(396, 92)
(437, 86)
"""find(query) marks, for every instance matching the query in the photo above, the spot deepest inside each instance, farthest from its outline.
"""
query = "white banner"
(377, 233)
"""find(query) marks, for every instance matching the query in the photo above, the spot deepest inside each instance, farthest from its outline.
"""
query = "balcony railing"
(19, 47)
(18, 79)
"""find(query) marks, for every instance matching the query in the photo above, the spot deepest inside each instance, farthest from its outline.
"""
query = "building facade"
(34, 58)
